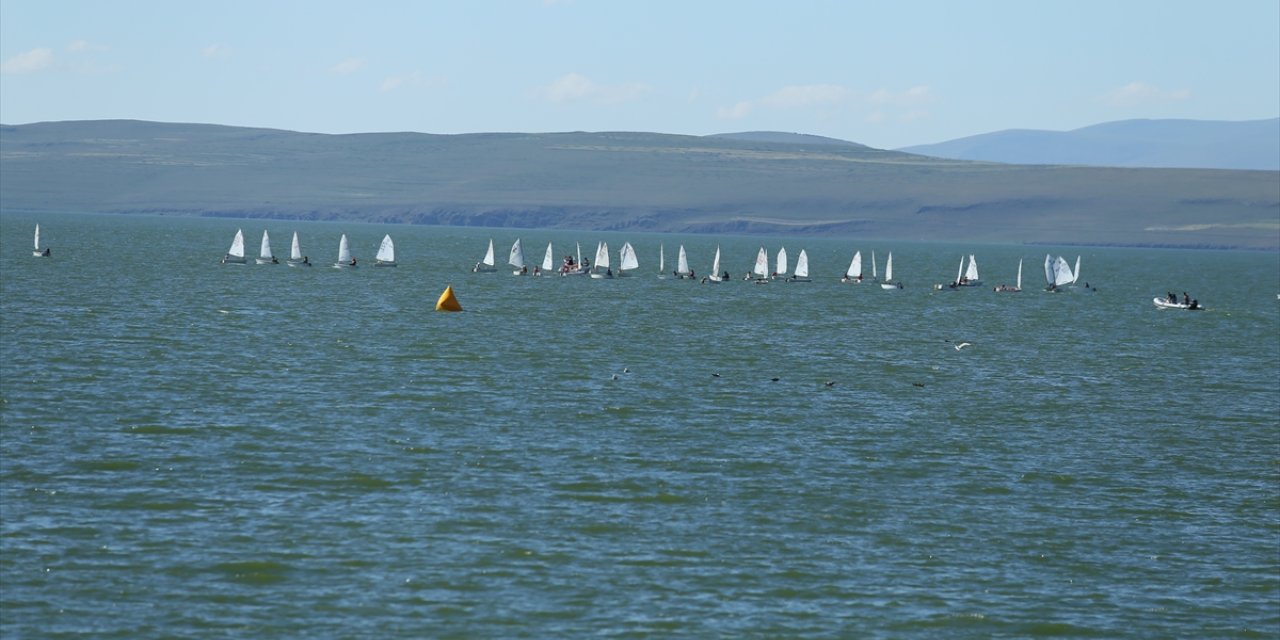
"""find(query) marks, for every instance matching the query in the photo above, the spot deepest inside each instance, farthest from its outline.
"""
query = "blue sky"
(880, 72)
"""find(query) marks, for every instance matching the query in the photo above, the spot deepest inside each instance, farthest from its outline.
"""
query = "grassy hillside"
(640, 181)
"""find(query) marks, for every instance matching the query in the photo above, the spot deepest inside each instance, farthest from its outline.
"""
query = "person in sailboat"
(536, 270)
(353, 261)
(47, 252)
(306, 260)
(524, 270)
(726, 275)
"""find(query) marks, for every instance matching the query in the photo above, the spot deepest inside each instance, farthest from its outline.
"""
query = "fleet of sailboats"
(1059, 274)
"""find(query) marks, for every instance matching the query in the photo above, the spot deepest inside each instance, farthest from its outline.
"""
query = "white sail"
(602, 256)
(761, 268)
(781, 268)
(265, 252)
(972, 273)
(1048, 270)
(1019, 274)
(1062, 272)
(235, 254)
(1076, 273)
(715, 265)
(802, 265)
(855, 266)
(488, 255)
(662, 261)
(682, 263)
(516, 259)
(344, 251)
(547, 260)
(960, 271)
(627, 257)
(873, 266)
(36, 248)
(888, 274)
(385, 252)
(295, 250)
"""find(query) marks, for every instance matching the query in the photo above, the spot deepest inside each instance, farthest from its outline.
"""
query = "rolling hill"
(1189, 144)
(623, 180)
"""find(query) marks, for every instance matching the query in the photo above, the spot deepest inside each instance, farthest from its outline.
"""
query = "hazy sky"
(888, 73)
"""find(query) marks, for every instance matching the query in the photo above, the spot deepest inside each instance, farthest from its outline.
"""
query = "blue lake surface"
(196, 450)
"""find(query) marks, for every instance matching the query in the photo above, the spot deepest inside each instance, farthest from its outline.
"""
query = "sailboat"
(1057, 273)
(487, 265)
(547, 262)
(1006, 288)
(761, 268)
(682, 265)
(345, 261)
(386, 253)
(600, 270)
(627, 259)
(874, 276)
(235, 255)
(716, 276)
(575, 269)
(854, 272)
(781, 268)
(955, 284)
(662, 263)
(970, 277)
(516, 259)
(888, 283)
(802, 268)
(36, 250)
(264, 255)
(296, 259)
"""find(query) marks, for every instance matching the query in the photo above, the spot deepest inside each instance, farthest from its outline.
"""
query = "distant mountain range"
(1192, 144)
(755, 183)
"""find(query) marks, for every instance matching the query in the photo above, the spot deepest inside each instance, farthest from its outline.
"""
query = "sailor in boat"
(306, 260)
(536, 270)
(353, 261)
(524, 271)
(47, 252)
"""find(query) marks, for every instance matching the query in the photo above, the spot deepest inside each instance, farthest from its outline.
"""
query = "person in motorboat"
(1186, 299)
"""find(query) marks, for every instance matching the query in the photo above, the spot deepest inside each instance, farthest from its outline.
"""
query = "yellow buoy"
(447, 301)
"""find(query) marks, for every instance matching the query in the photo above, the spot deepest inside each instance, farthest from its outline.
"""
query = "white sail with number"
(386, 253)
(516, 258)
(627, 259)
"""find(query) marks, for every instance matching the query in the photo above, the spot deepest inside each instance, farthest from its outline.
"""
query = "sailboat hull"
(384, 263)
(298, 263)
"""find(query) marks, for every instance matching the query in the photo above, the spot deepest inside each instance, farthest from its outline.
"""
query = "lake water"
(195, 450)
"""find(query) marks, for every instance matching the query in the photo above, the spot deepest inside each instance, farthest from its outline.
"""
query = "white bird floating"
(962, 345)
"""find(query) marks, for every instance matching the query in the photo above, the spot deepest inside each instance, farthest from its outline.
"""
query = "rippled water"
(258, 451)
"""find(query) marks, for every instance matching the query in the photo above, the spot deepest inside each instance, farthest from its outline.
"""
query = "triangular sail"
(855, 266)
(387, 250)
(344, 252)
(802, 265)
(237, 245)
(265, 252)
(960, 270)
(662, 260)
(682, 262)
(972, 273)
(295, 249)
(781, 268)
(1048, 269)
(888, 268)
(715, 264)
(627, 257)
(517, 255)
(547, 264)
(1019, 273)
(37, 245)
(761, 269)
(602, 256)
(873, 266)
(488, 255)
(1076, 272)
(1062, 272)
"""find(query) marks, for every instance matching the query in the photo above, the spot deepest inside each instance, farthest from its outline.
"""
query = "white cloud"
(735, 112)
(28, 62)
(575, 87)
(911, 97)
(216, 51)
(799, 96)
(392, 83)
(348, 66)
(1141, 93)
